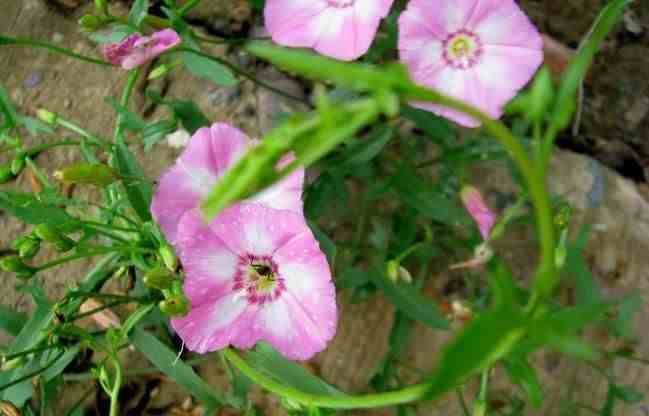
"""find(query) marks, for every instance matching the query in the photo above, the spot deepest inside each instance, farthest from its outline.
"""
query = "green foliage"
(166, 361)
(138, 190)
(138, 12)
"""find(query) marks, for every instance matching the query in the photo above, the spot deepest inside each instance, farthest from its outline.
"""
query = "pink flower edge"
(255, 274)
(341, 29)
(208, 155)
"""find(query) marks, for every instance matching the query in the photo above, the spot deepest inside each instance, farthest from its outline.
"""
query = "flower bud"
(50, 234)
(164, 69)
(177, 305)
(29, 248)
(18, 242)
(159, 278)
(562, 217)
(561, 251)
(87, 173)
(17, 165)
(6, 174)
(8, 365)
(168, 257)
(15, 264)
(90, 22)
(47, 116)
(396, 272)
(478, 209)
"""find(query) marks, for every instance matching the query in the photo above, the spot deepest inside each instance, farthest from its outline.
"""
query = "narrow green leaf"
(485, 340)
(138, 190)
(138, 12)
(191, 117)
(165, 360)
(135, 318)
(522, 373)
(269, 362)
(565, 103)
(410, 301)
(436, 128)
(7, 108)
(363, 151)
(327, 245)
(208, 69)
(11, 321)
(29, 209)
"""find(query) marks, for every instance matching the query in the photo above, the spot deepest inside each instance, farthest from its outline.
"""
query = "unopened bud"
(6, 174)
(562, 217)
(47, 116)
(52, 235)
(561, 251)
(177, 305)
(8, 365)
(17, 165)
(14, 264)
(159, 278)
(168, 257)
(90, 22)
(87, 173)
(164, 69)
(29, 248)
(478, 209)
(396, 272)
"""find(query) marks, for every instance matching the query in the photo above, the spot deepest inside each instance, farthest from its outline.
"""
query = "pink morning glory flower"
(478, 209)
(479, 51)
(255, 273)
(209, 154)
(341, 29)
(136, 50)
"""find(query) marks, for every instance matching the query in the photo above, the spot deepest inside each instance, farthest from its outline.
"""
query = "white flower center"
(462, 49)
(340, 4)
(257, 279)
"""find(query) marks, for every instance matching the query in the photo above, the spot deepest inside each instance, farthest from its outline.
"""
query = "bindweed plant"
(232, 255)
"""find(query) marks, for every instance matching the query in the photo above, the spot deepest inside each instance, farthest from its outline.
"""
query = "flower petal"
(289, 21)
(303, 320)
(209, 264)
(256, 229)
(225, 320)
(210, 152)
(454, 83)
(436, 18)
(502, 22)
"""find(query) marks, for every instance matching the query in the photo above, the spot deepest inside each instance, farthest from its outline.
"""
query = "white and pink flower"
(136, 50)
(209, 154)
(341, 29)
(479, 51)
(255, 273)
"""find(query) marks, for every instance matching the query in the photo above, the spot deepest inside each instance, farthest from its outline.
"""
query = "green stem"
(546, 272)
(126, 95)
(38, 173)
(90, 253)
(5, 40)
(33, 151)
(110, 227)
(244, 74)
(80, 131)
(406, 395)
(228, 41)
(96, 310)
(114, 396)
(9, 357)
(32, 374)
